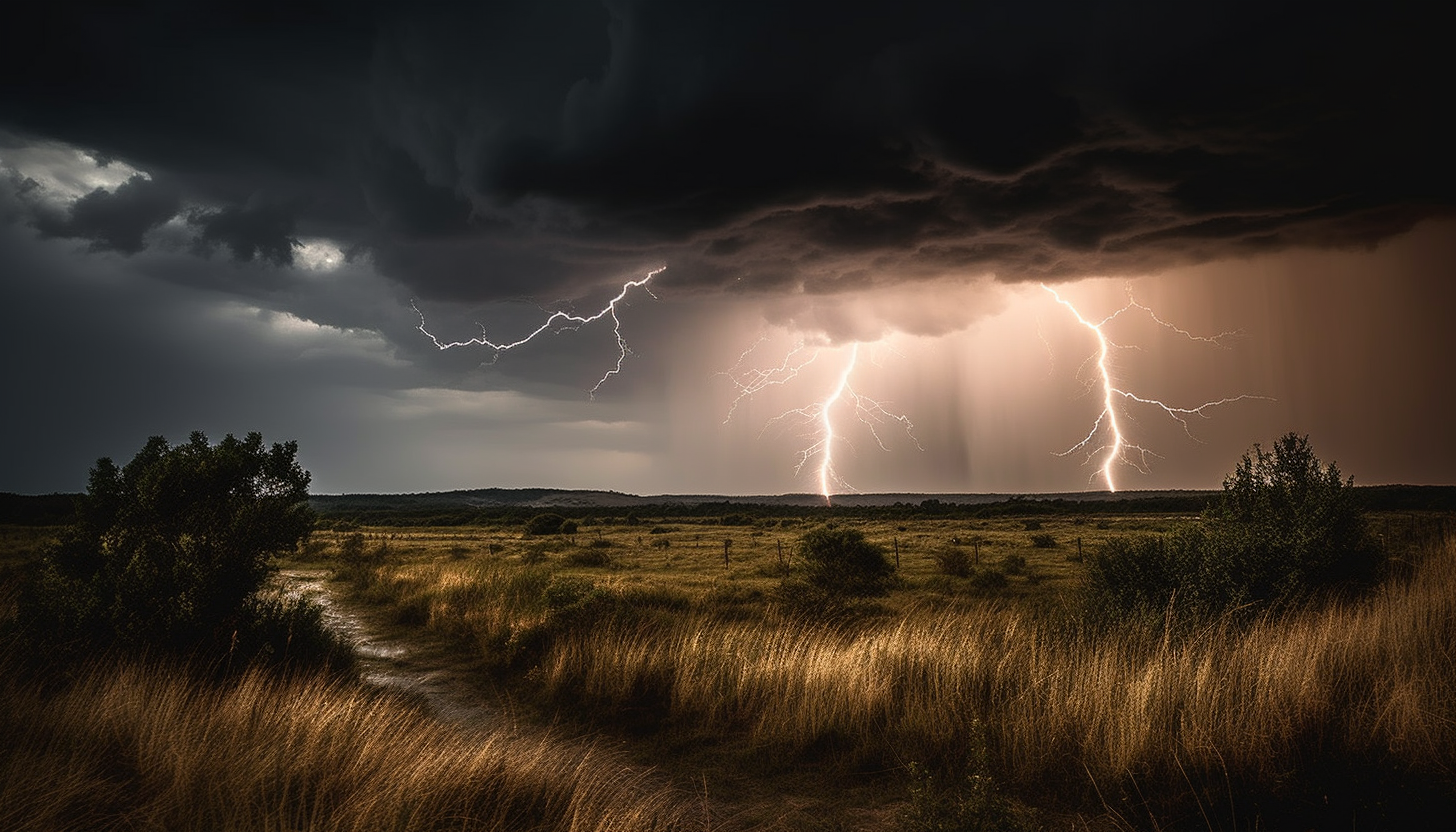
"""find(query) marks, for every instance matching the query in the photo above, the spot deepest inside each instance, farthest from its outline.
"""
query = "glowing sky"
(227, 220)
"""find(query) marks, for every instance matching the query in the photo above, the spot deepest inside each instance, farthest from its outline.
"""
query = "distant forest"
(509, 506)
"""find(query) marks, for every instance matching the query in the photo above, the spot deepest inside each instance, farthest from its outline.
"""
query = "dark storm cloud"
(262, 231)
(530, 148)
(113, 220)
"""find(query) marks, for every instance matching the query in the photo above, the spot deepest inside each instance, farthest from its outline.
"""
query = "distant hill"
(465, 505)
(543, 498)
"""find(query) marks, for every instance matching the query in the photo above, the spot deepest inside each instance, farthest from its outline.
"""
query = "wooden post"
(977, 544)
(727, 541)
(1079, 548)
(897, 554)
(781, 554)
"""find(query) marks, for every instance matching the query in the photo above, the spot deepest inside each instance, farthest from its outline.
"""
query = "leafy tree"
(840, 561)
(1284, 528)
(170, 551)
(1295, 523)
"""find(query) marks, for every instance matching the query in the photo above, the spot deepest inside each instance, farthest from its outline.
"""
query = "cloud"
(262, 231)
(800, 148)
(114, 220)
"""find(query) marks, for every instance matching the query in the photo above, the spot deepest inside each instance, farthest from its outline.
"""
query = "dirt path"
(390, 657)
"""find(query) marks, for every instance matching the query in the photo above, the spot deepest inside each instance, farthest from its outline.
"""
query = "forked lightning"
(557, 322)
(1106, 436)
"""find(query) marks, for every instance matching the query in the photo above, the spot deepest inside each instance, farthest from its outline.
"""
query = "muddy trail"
(422, 668)
(395, 658)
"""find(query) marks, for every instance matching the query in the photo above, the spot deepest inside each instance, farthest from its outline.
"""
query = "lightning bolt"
(558, 321)
(1115, 445)
(817, 418)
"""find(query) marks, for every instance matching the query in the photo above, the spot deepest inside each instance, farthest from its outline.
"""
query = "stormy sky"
(232, 217)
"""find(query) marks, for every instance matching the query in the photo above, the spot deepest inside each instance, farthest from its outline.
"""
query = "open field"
(714, 700)
(663, 643)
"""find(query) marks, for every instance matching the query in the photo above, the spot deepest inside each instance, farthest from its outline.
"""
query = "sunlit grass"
(1327, 703)
(143, 747)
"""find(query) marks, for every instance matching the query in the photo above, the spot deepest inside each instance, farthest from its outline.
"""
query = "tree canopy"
(169, 551)
(1284, 528)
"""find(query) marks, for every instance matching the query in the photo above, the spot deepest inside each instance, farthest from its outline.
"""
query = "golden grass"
(141, 747)
(1329, 692)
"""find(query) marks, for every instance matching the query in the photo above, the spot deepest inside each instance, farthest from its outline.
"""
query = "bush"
(593, 555)
(989, 580)
(1284, 528)
(1294, 524)
(840, 561)
(1013, 564)
(169, 552)
(545, 524)
(953, 561)
(1043, 541)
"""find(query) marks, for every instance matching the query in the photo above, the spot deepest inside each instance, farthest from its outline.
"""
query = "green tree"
(1295, 524)
(1285, 527)
(170, 551)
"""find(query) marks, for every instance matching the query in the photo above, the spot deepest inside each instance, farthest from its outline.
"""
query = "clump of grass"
(594, 554)
(146, 747)
(990, 580)
(1269, 719)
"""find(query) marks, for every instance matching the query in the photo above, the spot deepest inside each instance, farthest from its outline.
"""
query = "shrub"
(1043, 541)
(1296, 524)
(839, 560)
(972, 804)
(1013, 564)
(953, 561)
(543, 524)
(1283, 529)
(536, 553)
(351, 548)
(592, 555)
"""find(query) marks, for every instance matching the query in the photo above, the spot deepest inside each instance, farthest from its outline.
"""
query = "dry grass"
(1341, 703)
(141, 747)
(1337, 715)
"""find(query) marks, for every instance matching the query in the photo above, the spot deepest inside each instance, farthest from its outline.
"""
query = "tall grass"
(140, 746)
(1347, 708)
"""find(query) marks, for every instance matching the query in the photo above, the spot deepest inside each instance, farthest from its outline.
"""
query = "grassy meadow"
(974, 695)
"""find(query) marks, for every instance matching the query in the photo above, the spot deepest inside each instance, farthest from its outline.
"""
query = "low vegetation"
(144, 746)
(171, 554)
(1269, 663)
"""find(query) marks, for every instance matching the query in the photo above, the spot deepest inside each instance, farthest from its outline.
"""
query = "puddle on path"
(390, 661)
